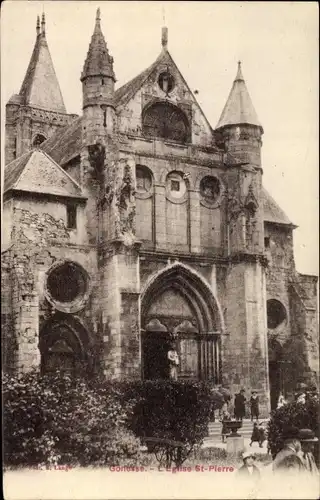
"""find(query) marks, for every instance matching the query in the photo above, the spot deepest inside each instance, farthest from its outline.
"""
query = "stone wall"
(23, 123)
(297, 334)
(38, 241)
(129, 114)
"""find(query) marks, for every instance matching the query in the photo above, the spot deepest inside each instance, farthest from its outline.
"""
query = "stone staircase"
(214, 433)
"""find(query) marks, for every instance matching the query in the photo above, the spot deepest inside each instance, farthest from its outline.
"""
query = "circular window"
(276, 313)
(166, 81)
(210, 190)
(143, 180)
(176, 186)
(67, 286)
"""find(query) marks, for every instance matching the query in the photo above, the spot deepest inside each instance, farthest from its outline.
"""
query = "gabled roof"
(40, 87)
(129, 89)
(238, 109)
(36, 172)
(123, 94)
(272, 211)
(65, 143)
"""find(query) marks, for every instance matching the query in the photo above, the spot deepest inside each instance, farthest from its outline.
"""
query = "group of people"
(240, 405)
(296, 456)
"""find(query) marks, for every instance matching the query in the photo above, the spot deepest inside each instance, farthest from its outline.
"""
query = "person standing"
(224, 420)
(255, 437)
(240, 405)
(308, 440)
(254, 406)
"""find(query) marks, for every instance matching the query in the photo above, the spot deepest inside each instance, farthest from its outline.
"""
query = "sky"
(277, 43)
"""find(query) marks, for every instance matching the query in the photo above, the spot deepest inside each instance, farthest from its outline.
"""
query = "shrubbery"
(172, 417)
(59, 420)
(290, 417)
(56, 419)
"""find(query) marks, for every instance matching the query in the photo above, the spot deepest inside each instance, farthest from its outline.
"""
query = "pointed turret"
(239, 131)
(239, 109)
(40, 87)
(98, 81)
(98, 61)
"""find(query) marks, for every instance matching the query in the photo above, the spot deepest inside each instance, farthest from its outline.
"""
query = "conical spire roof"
(239, 108)
(40, 87)
(98, 61)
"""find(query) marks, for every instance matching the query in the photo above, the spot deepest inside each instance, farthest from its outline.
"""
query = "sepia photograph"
(159, 250)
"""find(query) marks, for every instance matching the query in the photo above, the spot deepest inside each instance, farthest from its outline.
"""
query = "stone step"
(214, 428)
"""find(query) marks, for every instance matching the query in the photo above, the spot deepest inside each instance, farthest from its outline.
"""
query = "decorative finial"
(164, 38)
(38, 26)
(239, 72)
(43, 24)
(97, 26)
(164, 16)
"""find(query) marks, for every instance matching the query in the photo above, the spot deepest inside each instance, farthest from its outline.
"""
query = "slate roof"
(40, 87)
(36, 172)
(127, 91)
(65, 143)
(13, 171)
(238, 109)
(272, 211)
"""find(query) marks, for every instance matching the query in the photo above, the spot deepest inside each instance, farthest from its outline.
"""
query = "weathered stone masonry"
(137, 224)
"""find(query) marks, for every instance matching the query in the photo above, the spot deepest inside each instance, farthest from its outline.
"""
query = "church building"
(138, 225)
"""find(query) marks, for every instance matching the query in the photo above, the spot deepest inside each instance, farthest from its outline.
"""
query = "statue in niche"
(173, 359)
(251, 206)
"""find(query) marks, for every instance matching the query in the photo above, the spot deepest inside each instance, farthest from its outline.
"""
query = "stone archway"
(177, 305)
(65, 346)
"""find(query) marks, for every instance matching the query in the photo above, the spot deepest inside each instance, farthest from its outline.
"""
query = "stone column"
(160, 216)
(25, 305)
(120, 310)
(194, 210)
(245, 356)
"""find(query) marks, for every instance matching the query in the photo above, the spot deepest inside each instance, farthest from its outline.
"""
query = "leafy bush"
(56, 419)
(172, 417)
(292, 417)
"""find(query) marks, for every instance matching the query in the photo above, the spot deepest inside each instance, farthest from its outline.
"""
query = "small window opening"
(102, 81)
(175, 186)
(71, 217)
(267, 242)
(105, 118)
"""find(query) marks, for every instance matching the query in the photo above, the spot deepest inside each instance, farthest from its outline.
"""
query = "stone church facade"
(137, 224)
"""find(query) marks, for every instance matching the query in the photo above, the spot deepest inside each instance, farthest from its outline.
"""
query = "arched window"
(276, 313)
(39, 139)
(166, 121)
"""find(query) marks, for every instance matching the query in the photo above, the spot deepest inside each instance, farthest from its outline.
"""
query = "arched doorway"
(276, 381)
(179, 307)
(64, 346)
